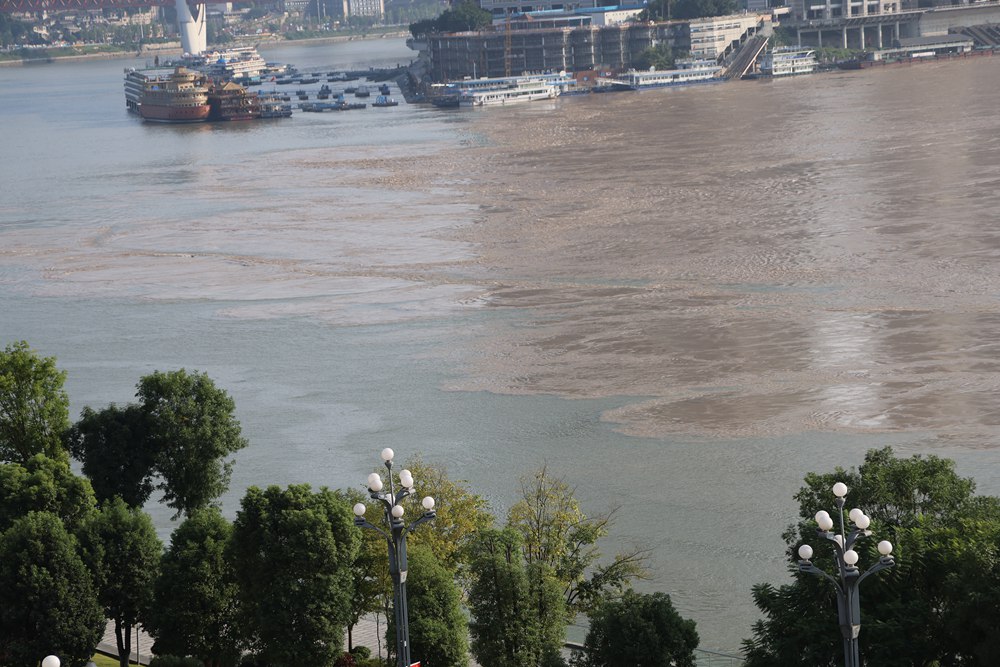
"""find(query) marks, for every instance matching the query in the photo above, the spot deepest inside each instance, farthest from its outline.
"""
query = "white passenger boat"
(525, 91)
(788, 62)
(690, 72)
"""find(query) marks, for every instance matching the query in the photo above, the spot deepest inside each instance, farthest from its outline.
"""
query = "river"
(681, 301)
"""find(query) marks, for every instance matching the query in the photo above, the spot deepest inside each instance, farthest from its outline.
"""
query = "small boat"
(362, 91)
(324, 92)
(307, 80)
(302, 94)
(384, 89)
(384, 101)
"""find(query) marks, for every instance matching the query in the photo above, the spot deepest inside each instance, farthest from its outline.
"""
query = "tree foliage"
(192, 429)
(48, 604)
(194, 610)
(123, 553)
(34, 408)
(113, 447)
(555, 532)
(659, 57)
(439, 635)
(462, 17)
(506, 603)
(292, 551)
(913, 614)
(694, 9)
(42, 484)
(175, 439)
(460, 513)
(640, 630)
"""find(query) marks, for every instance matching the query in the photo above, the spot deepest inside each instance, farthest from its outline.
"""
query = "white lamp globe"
(428, 503)
(375, 482)
(840, 489)
(387, 454)
(359, 509)
(855, 514)
(406, 478)
(397, 511)
(885, 547)
(50, 661)
(824, 520)
(805, 552)
(863, 522)
(851, 557)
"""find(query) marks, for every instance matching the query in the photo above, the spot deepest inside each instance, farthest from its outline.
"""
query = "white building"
(711, 36)
(373, 8)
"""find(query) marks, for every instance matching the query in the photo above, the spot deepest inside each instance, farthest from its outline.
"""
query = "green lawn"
(105, 661)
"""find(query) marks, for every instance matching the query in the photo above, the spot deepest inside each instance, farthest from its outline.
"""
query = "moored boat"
(788, 62)
(230, 101)
(384, 101)
(179, 97)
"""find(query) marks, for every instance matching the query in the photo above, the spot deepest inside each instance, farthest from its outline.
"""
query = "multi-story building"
(372, 8)
(503, 8)
(712, 36)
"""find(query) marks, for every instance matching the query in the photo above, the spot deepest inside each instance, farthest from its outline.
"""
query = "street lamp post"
(846, 585)
(395, 538)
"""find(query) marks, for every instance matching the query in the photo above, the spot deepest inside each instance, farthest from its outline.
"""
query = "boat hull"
(174, 114)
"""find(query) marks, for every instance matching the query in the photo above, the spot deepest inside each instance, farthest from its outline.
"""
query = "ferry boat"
(690, 72)
(524, 91)
(178, 96)
(230, 101)
(273, 105)
(385, 101)
(238, 62)
(788, 62)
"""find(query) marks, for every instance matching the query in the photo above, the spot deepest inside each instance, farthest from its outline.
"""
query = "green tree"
(640, 630)
(694, 9)
(371, 589)
(292, 552)
(113, 446)
(34, 408)
(460, 513)
(909, 612)
(506, 627)
(123, 553)
(42, 484)
(557, 533)
(194, 609)
(191, 428)
(660, 56)
(464, 16)
(48, 604)
(439, 631)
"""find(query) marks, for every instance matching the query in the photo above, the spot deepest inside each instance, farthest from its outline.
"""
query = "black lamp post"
(391, 500)
(846, 585)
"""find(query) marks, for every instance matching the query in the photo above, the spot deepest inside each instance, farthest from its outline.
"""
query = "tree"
(460, 513)
(48, 604)
(194, 608)
(123, 553)
(463, 17)
(439, 631)
(694, 9)
(42, 484)
(292, 551)
(911, 613)
(640, 630)
(371, 587)
(191, 429)
(506, 628)
(556, 532)
(113, 447)
(660, 56)
(34, 408)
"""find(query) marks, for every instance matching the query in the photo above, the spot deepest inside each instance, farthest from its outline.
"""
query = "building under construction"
(577, 48)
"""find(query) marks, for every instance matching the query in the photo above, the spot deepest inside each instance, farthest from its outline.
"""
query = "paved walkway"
(366, 633)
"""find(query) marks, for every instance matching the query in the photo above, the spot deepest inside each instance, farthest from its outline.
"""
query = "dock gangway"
(744, 59)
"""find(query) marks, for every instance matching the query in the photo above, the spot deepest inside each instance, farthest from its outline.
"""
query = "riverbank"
(174, 49)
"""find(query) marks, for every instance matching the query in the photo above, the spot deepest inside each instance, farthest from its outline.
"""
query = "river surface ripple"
(681, 300)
